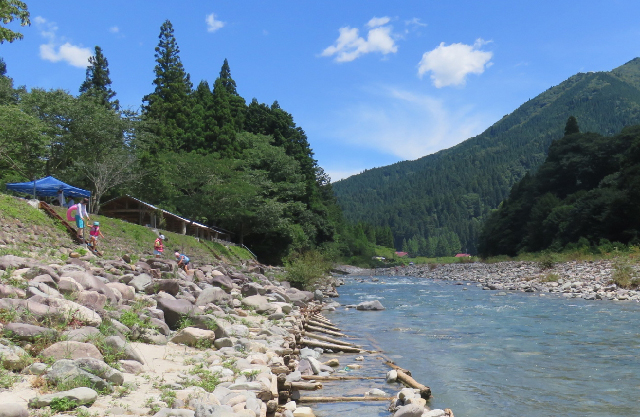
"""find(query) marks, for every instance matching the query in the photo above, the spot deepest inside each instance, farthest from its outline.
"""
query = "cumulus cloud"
(450, 65)
(213, 24)
(57, 49)
(350, 45)
(114, 29)
(405, 124)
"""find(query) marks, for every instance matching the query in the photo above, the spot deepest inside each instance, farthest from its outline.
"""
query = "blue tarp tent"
(48, 187)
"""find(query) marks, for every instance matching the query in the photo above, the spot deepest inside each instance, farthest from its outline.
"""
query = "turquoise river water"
(522, 354)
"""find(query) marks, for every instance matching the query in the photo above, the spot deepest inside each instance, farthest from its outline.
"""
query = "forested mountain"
(586, 193)
(451, 192)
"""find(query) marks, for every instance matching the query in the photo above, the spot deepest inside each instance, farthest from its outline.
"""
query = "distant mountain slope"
(454, 189)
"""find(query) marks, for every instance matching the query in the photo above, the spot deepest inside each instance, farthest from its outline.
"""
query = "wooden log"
(341, 399)
(332, 346)
(302, 386)
(323, 325)
(323, 330)
(328, 339)
(274, 386)
(397, 368)
(322, 318)
(425, 392)
(338, 378)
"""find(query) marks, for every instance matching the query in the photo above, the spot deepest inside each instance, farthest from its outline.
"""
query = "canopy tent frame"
(48, 187)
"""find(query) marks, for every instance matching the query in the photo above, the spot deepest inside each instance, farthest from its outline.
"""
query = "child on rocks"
(183, 261)
(158, 246)
(94, 233)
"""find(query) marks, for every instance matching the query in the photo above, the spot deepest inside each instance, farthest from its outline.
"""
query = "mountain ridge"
(454, 189)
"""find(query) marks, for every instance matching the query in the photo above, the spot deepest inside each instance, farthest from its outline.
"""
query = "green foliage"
(454, 190)
(60, 404)
(11, 10)
(97, 83)
(581, 199)
(623, 274)
(203, 378)
(305, 269)
(7, 378)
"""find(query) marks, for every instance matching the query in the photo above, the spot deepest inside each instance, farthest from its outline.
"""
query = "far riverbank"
(590, 280)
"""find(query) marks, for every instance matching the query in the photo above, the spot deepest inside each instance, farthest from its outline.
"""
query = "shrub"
(623, 274)
(60, 404)
(305, 269)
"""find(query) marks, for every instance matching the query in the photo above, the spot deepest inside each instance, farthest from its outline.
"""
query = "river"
(522, 354)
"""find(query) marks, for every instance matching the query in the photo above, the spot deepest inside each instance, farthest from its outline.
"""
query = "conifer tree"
(169, 104)
(236, 104)
(572, 126)
(97, 83)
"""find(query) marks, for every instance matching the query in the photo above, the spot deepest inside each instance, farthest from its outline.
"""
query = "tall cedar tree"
(169, 106)
(97, 83)
(572, 126)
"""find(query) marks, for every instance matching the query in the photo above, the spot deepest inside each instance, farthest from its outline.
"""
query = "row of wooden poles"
(314, 330)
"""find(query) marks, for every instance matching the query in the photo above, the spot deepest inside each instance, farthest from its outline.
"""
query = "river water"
(522, 354)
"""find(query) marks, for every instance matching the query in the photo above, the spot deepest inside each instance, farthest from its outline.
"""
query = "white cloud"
(213, 24)
(378, 21)
(450, 65)
(114, 29)
(414, 22)
(55, 50)
(350, 45)
(406, 124)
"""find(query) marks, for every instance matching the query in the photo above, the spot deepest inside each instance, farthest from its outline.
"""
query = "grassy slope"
(36, 234)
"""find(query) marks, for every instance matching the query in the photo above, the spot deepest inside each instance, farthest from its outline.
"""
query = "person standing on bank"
(158, 246)
(81, 215)
(61, 197)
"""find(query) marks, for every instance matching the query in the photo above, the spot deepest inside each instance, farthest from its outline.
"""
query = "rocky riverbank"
(592, 280)
(107, 337)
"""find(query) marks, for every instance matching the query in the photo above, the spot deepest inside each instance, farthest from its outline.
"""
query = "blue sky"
(371, 82)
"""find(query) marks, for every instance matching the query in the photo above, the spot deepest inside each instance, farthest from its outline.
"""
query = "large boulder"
(252, 288)
(81, 396)
(221, 281)
(90, 282)
(72, 350)
(170, 286)
(175, 310)
(13, 358)
(141, 282)
(373, 305)
(260, 304)
(161, 264)
(28, 308)
(81, 334)
(193, 336)
(7, 291)
(29, 332)
(126, 350)
(128, 292)
(15, 262)
(215, 295)
(13, 410)
(75, 311)
(100, 369)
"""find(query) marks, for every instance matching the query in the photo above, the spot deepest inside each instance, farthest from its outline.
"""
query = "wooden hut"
(132, 210)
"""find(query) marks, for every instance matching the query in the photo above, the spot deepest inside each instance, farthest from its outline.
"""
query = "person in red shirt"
(158, 246)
